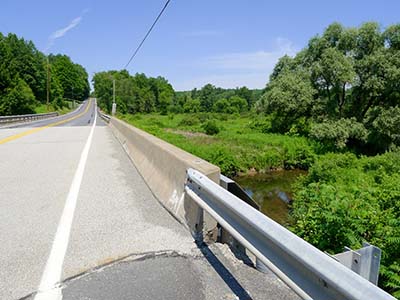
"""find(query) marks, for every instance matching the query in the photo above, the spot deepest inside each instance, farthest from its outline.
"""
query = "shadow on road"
(223, 272)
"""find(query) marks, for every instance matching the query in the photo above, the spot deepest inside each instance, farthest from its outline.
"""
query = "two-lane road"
(66, 208)
(71, 201)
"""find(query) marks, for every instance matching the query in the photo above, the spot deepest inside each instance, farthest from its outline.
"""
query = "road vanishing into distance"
(77, 221)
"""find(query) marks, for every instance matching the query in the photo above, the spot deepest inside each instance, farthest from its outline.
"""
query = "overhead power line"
(147, 34)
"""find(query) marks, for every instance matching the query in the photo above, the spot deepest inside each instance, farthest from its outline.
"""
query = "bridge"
(92, 208)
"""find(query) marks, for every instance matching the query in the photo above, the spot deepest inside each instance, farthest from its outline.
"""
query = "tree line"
(24, 77)
(141, 94)
(343, 89)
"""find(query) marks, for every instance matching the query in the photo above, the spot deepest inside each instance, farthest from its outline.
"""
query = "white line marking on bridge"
(49, 288)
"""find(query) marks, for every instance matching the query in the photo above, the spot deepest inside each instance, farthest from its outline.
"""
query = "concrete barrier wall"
(163, 166)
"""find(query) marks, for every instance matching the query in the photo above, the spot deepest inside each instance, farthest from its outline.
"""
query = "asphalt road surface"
(77, 221)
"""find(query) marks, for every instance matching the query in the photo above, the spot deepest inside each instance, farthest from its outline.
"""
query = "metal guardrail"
(26, 118)
(311, 273)
(104, 116)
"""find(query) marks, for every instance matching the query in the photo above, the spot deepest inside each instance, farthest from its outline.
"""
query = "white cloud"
(63, 31)
(245, 61)
(231, 70)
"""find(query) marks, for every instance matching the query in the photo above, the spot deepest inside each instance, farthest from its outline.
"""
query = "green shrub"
(337, 134)
(222, 117)
(210, 127)
(203, 116)
(261, 125)
(345, 200)
(156, 122)
(189, 121)
(224, 159)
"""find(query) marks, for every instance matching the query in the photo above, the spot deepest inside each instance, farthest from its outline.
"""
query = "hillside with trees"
(23, 77)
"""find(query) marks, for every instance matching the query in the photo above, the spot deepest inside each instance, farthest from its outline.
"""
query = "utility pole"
(114, 105)
(48, 83)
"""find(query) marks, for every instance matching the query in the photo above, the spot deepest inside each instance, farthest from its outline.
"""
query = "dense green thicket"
(343, 89)
(141, 94)
(345, 200)
(23, 77)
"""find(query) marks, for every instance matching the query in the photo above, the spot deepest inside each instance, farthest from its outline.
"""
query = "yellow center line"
(28, 132)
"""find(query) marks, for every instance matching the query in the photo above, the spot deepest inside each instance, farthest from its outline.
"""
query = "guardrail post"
(199, 225)
(364, 261)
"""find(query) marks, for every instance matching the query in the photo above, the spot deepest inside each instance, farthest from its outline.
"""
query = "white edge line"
(48, 288)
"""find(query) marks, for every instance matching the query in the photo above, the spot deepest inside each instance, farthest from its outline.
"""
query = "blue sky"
(226, 42)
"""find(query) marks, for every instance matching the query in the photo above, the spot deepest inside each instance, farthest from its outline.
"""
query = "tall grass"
(237, 147)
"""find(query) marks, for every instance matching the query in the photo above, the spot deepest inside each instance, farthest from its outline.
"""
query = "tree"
(18, 99)
(352, 72)
(72, 77)
(246, 94)
(221, 106)
(207, 97)
(238, 104)
(289, 97)
(192, 106)
(392, 36)
(134, 94)
(23, 67)
(334, 73)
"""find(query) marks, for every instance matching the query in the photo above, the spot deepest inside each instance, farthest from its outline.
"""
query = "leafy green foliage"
(289, 97)
(211, 127)
(18, 100)
(192, 106)
(72, 78)
(188, 121)
(336, 134)
(134, 94)
(385, 131)
(345, 200)
(23, 77)
(346, 77)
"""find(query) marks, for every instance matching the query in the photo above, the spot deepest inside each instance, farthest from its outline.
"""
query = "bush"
(224, 159)
(203, 116)
(192, 106)
(262, 125)
(337, 134)
(156, 122)
(189, 121)
(210, 127)
(18, 100)
(345, 200)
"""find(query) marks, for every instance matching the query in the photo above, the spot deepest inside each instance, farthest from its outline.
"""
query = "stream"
(272, 191)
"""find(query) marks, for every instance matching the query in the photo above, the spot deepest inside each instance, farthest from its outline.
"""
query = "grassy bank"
(238, 146)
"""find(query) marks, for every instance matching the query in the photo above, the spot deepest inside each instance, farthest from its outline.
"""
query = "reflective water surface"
(272, 191)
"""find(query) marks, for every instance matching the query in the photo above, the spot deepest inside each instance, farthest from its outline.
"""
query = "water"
(271, 191)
